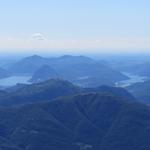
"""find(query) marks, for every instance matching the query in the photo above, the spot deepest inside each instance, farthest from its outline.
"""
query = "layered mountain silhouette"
(70, 107)
(44, 73)
(27, 65)
(141, 91)
(80, 70)
(92, 121)
(139, 68)
(4, 73)
(142, 69)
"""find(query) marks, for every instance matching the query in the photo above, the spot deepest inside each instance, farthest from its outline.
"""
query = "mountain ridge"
(22, 94)
(77, 69)
(89, 120)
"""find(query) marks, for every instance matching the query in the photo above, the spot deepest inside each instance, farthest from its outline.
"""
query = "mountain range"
(4, 73)
(141, 91)
(67, 107)
(44, 73)
(80, 70)
(48, 90)
(141, 68)
(90, 121)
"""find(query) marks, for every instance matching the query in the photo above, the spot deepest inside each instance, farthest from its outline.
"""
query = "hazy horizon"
(75, 26)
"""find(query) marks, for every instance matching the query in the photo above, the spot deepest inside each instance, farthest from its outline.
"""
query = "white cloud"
(38, 36)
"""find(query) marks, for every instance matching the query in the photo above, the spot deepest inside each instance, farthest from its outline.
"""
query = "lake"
(132, 79)
(13, 80)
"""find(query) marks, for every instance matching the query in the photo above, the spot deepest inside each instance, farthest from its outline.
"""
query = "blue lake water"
(132, 79)
(13, 80)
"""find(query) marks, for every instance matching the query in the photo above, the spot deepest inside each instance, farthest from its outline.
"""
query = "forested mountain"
(47, 90)
(141, 91)
(138, 68)
(4, 73)
(27, 65)
(142, 69)
(85, 121)
(74, 75)
(44, 73)
(80, 70)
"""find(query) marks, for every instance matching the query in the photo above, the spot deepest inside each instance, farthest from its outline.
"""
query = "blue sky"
(75, 24)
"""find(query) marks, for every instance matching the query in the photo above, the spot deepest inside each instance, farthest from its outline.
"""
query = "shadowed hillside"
(87, 121)
(47, 90)
(4, 73)
(141, 91)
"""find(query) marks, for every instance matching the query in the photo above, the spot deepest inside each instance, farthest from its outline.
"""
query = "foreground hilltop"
(90, 121)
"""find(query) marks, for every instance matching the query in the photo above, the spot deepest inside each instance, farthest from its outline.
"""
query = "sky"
(75, 26)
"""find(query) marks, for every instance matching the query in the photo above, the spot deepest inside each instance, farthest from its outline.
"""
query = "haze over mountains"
(83, 71)
(137, 65)
(80, 70)
(75, 75)
(4, 73)
(142, 69)
(44, 73)
(141, 91)
(72, 103)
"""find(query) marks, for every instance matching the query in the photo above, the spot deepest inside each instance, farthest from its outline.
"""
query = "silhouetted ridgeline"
(4, 73)
(58, 115)
(80, 70)
(47, 90)
(141, 91)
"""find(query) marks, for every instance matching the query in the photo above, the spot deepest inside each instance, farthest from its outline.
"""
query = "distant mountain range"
(141, 91)
(137, 68)
(55, 113)
(93, 121)
(80, 70)
(142, 69)
(44, 73)
(27, 65)
(4, 73)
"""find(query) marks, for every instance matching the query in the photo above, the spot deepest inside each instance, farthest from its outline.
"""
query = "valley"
(13, 80)
(74, 75)
(132, 80)
(72, 102)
